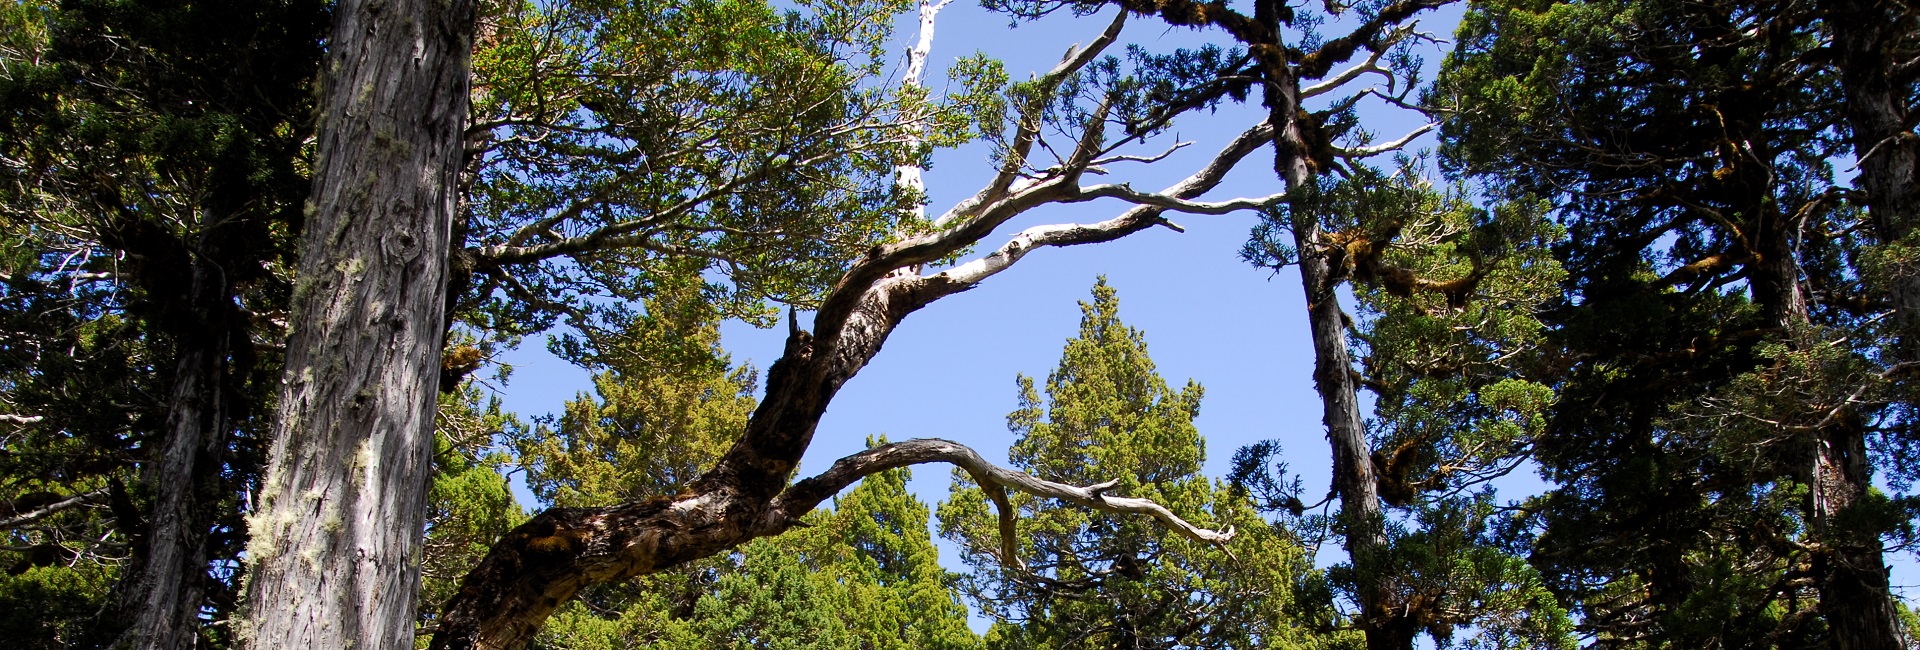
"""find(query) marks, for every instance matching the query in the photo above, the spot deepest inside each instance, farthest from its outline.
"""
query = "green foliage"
(864, 576)
(1091, 579)
(151, 178)
(657, 421)
(469, 503)
(622, 147)
(1688, 153)
(62, 606)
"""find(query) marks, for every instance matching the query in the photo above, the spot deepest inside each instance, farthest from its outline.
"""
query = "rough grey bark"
(1355, 478)
(334, 557)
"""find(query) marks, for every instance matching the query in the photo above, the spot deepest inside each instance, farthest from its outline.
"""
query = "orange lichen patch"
(456, 363)
(552, 544)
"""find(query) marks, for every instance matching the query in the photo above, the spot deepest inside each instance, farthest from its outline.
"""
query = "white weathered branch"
(909, 176)
(1126, 193)
(1372, 64)
(21, 419)
(1135, 220)
(1363, 152)
(1143, 159)
(807, 494)
(1027, 129)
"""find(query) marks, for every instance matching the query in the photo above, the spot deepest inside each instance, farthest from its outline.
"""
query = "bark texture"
(1877, 81)
(334, 555)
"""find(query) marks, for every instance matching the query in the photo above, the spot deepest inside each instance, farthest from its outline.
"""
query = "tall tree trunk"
(335, 547)
(1849, 564)
(1854, 594)
(1879, 109)
(1854, 590)
(1354, 477)
(163, 597)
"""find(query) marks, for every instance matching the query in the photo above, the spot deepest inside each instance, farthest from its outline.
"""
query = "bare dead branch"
(1372, 64)
(1140, 218)
(807, 494)
(1143, 159)
(1126, 193)
(1363, 152)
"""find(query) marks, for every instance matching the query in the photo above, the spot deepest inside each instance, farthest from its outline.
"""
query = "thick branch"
(1316, 64)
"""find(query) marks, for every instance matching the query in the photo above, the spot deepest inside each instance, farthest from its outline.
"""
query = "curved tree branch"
(805, 495)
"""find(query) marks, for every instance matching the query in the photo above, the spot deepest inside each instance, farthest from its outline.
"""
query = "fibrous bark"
(334, 559)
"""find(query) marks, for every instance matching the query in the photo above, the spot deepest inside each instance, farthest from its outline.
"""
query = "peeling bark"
(334, 558)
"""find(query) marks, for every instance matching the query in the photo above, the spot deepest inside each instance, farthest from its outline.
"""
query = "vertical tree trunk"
(1866, 34)
(1353, 471)
(1854, 594)
(1854, 591)
(1849, 564)
(163, 597)
(335, 547)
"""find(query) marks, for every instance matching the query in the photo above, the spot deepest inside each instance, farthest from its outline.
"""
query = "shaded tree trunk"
(1849, 565)
(335, 549)
(1869, 37)
(1854, 590)
(163, 597)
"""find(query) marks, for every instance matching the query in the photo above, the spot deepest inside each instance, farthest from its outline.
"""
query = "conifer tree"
(1723, 369)
(1091, 580)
